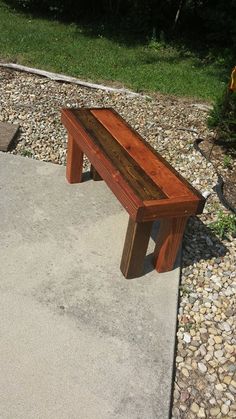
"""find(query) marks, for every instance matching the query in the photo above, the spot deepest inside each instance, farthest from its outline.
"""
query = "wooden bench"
(144, 183)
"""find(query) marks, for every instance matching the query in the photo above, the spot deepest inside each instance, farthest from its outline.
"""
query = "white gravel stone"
(202, 367)
(219, 387)
(226, 327)
(214, 411)
(218, 354)
(201, 413)
(194, 407)
(224, 409)
(185, 372)
(187, 338)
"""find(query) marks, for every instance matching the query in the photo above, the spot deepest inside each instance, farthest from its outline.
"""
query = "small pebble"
(185, 372)
(187, 337)
(201, 413)
(224, 409)
(214, 411)
(194, 407)
(202, 367)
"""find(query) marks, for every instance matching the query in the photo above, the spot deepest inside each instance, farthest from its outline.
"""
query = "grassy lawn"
(69, 49)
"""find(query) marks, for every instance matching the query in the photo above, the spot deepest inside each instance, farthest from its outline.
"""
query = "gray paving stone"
(7, 135)
(77, 339)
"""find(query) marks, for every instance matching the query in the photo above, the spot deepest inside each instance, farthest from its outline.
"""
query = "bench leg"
(94, 174)
(74, 163)
(135, 248)
(168, 242)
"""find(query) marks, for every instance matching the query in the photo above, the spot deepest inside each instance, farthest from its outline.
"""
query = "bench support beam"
(169, 239)
(74, 165)
(135, 248)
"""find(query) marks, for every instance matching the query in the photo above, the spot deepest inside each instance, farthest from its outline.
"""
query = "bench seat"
(147, 186)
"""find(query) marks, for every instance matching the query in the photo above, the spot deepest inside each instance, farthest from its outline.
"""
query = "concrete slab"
(78, 341)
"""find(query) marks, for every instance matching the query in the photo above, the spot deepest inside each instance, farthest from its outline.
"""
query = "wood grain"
(74, 163)
(194, 191)
(173, 207)
(104, 166)
(135, 176)
(168, 243)
(113, 172)
(135, 248)
(154, 166)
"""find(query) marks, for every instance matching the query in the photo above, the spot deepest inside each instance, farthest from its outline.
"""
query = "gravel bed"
(205, 377)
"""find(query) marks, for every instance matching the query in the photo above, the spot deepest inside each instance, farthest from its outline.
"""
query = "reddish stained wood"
(158, 171)
(168, 243)
(135, 248)
(109, 174)
(137, 208)
(183, 200)
(133, 174)
(174, 207)
(74, 164)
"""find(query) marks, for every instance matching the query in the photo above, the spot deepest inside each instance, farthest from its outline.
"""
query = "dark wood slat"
(162, 173)
(194, 191)
(143, 156)
(140, 182)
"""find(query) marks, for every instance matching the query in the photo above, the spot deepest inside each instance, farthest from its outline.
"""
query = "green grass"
(69, 49)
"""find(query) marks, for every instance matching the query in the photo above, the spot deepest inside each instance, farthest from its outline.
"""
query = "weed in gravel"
(223, 117)
(227, 161)
(26, 153)
(224, 225)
